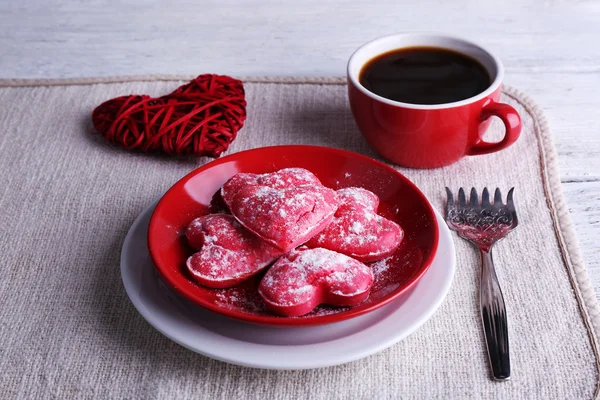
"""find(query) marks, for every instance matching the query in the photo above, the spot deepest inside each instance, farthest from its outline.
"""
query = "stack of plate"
(229, 324)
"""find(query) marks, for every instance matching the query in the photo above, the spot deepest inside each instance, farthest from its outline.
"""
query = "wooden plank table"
(550, 50)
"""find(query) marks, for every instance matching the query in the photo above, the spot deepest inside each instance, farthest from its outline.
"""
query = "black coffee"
(424, 75)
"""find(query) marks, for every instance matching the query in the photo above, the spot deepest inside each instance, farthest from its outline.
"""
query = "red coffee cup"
(429, 136)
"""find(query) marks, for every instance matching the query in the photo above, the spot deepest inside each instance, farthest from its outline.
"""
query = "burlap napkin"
(67, 328)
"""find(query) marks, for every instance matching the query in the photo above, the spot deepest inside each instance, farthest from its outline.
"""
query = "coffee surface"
(424, 75)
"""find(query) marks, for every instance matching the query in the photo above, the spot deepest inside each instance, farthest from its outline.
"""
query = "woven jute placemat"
(67, 328)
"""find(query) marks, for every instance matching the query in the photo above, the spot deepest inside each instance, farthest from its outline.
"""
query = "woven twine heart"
(200, 118)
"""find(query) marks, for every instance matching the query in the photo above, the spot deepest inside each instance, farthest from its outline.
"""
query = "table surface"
(549, 48)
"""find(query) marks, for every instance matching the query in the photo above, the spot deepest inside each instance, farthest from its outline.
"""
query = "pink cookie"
(228, 254)
(357, 230)
(285, 208)
(304, 278)
(284, 178)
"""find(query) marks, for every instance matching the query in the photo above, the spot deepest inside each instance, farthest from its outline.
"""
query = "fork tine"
(461, 197)
(485, 198)
(473, 198)
(510, 204)
(509, 201)
(450, 197)
(497, 197)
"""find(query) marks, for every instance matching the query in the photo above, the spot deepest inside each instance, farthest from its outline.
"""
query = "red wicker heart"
(200, 118)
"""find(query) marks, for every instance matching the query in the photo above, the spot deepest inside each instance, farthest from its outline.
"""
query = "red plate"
(401, 201)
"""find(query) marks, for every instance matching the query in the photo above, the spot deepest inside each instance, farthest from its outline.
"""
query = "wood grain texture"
(550, 51)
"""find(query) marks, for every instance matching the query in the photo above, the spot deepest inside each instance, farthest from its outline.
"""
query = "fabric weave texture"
(68, 330)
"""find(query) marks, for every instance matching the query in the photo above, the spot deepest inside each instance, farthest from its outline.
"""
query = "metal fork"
(483, 224)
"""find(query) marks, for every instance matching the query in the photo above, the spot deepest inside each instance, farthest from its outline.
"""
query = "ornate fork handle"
(493, 314)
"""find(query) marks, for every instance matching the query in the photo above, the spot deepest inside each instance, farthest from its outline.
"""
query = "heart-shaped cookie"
(357, 230)
(285, 208)
(200, 118)
(284, 178)
(304, 278)
(228, 254)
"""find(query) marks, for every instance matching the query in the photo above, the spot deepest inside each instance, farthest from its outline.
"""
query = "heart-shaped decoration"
(228, 254)
(199, 118)
(357, 230)
(304, 278)
(285, 208)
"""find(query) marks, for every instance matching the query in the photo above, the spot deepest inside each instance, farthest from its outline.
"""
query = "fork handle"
(493, 314)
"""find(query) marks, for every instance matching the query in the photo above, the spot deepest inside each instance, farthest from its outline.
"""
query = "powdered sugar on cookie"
(357, 230)
(228, 254)
(304, 278)
(285, 208)
(272, 214)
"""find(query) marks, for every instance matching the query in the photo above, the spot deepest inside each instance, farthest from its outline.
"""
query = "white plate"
(257, 346)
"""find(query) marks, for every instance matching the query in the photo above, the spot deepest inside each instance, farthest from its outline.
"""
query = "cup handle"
(512, 123)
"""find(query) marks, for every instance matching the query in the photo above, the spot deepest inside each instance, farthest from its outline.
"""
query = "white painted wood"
(583, 200)
(550, 50)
